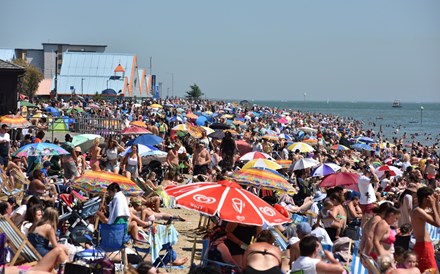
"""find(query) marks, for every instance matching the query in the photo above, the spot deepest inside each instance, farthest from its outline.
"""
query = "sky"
(250, 49)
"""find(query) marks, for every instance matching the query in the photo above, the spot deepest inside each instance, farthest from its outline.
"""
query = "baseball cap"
(304, 228)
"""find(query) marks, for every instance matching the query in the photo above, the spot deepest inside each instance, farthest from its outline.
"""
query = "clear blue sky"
(372, 50)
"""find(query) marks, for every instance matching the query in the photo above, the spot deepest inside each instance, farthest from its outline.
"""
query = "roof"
(67, 44)
(44, 87)
(7, 54)
(90, 84)
(9, 66)
(119, 68)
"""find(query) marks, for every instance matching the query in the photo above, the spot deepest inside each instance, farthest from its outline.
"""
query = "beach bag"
(102, 266)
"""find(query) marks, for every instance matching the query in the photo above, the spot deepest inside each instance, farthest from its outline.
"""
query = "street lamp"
(82, 88)
(421, 114)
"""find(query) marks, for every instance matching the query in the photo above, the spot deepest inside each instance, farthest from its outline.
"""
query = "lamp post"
(82, 88)
(421, 114)
(107, 82)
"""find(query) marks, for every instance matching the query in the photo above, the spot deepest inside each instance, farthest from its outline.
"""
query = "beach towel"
(160, 236)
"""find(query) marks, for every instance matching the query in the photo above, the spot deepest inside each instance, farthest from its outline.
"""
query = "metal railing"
(98, 125)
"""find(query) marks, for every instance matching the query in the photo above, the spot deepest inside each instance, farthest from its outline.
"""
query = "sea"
(420, 121)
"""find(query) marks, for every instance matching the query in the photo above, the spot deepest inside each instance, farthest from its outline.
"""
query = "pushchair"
(74, 211)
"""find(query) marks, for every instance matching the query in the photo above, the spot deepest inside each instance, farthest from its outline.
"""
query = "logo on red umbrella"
(203, 199)
(238, 205)
(241, 218)
(267, 211)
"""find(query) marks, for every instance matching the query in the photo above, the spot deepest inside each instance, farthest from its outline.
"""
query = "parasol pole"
(102, 203)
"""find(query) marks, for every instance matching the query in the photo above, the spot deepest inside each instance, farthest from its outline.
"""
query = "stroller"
(74, 211)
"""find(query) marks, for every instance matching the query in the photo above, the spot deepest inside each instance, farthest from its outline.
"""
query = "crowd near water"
(351, 198)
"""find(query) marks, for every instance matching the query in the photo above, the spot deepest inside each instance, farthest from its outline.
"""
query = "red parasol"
(340, 179)
(228, 201)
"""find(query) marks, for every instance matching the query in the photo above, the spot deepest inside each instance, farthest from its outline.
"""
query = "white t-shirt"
(21, 210)
(384, 183)
(322, 235)
(367, 191)
(306, 264)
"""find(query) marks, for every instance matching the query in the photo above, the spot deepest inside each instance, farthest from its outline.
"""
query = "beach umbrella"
(96, 182)
(304, 163)
(284, 163)
(361, 146)
(85, 141)
(201, 120)
(191, 115)
(138, 124)
(155, 106)
(384, 145)
(27, 104)
(364, 139)
(176, 118)
(40, 149)
(310, 141)
(340, 179)
(394, 171)
(255, 155)
(146, 139)
(143, 150)
(243, 147)
(263, 163)
(308, 129)
(207, 130)
(14, 121)
(282, 121)
(262, 178)
(218, 134)
(135, 130)
(180, 127)
(325, 169)
(109, 91)
(339, 147)
(52, 110)
(219, 126)
(303, 147)
(270, 137)
(285, 136)
(239, 123)
(230, 202)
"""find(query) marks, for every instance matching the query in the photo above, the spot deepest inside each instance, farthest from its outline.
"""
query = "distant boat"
(379, 118)
(396, 104)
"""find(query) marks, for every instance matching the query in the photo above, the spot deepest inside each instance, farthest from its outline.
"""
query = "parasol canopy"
(340, 179)
(326, 169)
(96, 182)
(304, 163)
(135, 130)
(230, 202)
(264, 163)
(14, 121)
(255, 155)
(303, 147)
(39, 149)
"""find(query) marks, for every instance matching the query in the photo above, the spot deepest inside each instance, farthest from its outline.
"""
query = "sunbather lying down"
(46, 265)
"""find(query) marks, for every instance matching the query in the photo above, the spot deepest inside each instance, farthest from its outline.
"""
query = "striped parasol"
(263, 179)
(303, 147)
(96, 182)
(255, 155)
(138, 124)
(14, 121)
(264, 163)
(339, 147)
(284, 163)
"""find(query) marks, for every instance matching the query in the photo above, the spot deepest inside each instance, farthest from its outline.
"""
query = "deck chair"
(161, 244)
(358, 268)
(24, 251)
(112, 239)
(281, 240)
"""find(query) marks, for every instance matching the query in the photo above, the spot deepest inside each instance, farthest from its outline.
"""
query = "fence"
(98, 125)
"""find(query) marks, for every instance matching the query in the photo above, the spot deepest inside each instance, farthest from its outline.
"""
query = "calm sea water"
(423, 124)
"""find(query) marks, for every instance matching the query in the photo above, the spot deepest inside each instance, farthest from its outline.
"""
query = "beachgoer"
(201, 160)
(132, 163)
(118, 206)
(262, 255)
(5, 139)
(427, 212)
(95, 155)
(366, 189)
(384, 236)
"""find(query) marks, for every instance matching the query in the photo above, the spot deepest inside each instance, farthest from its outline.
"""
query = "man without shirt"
(427, 212)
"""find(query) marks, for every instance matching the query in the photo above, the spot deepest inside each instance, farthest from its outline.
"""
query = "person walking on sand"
(428, 211)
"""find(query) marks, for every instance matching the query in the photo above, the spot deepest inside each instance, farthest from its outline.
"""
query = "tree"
(194, 93)
(31, 79)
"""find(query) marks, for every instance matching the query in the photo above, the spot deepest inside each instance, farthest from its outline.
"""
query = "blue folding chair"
(112, 238)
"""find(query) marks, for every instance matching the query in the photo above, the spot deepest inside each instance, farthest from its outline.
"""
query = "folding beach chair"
(281, 241)
(356, 265)
(434, 232)
(24, 251)
(112, 238)
(162, 238)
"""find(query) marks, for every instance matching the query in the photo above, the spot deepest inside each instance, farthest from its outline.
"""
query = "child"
(398, 256)
(328, 218)
(410, 259)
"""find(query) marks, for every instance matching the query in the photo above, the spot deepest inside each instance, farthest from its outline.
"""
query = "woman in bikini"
(218, 251)
(95, 153)
(384, 236)
(263, 256)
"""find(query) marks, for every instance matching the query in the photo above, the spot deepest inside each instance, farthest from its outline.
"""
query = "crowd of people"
(385, 213)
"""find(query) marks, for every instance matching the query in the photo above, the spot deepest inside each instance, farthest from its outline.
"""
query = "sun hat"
(319, 196)
(304, 228)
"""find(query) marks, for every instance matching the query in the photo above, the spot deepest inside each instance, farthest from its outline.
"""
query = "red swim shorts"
(425, 255)
(367, 209)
